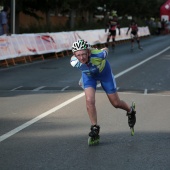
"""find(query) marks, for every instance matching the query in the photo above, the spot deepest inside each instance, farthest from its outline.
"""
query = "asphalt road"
(44, 123)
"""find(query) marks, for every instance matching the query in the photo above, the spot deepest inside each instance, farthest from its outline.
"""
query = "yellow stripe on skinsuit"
(100, 63)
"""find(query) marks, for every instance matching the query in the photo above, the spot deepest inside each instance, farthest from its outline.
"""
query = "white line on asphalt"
(16, 88)
(65, 88)
(38, 88)
(137, 65)
(149, 94)
(145, 91)
(23, 126)
(142, 62)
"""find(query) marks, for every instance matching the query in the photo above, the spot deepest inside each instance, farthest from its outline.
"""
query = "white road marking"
(142, 62)
(16, 88)
(23, 126)
(65, 88)
(38, 88)
(145, 91)
(149, 94)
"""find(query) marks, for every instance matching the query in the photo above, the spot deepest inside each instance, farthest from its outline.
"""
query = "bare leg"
(113, 42)
(117, 103)
(90, 104)
(108, 38)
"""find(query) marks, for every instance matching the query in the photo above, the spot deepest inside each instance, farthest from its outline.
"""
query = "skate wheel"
(132, 131)
(133, 105)
(92, 141)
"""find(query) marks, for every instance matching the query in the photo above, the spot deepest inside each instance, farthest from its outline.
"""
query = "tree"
(86, 9)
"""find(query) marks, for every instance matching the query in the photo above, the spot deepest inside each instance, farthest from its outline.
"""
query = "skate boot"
(94, 135)
(132, 118)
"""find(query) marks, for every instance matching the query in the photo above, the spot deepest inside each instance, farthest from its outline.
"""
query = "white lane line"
(38, 88)
(149, 94)
(137, 65)
(65, 88)
(16, 88)
(23, 126)
(142, 62)
(146, 91)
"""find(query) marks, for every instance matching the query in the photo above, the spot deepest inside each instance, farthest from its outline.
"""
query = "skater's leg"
(132, 42)
(108, 38)
(113, 42)
(90, 104)
(117, 103)
(91, 109)
(138, 42)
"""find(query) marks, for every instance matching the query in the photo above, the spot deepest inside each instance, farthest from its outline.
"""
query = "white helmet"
(80, 45)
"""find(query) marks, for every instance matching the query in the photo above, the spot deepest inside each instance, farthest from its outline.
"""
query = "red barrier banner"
(18, 45)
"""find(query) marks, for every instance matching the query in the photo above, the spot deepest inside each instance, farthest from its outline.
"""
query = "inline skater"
(95, 67)
(112, 26)
(134, 34)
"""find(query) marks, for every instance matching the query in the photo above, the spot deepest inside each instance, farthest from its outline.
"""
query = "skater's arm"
(106, 51)
(74, 61)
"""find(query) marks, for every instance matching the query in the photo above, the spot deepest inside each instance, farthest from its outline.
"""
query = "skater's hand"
(106, 49)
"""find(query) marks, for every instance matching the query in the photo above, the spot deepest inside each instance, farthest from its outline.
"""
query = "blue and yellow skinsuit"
(96, 69)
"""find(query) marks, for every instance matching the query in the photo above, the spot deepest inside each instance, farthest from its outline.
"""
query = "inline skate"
(94, 136)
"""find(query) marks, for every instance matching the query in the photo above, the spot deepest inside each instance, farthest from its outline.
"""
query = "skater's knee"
(90, 101)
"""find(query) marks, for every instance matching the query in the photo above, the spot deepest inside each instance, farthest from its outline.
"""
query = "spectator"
(159, 27)
(4, 28)
(163, 22)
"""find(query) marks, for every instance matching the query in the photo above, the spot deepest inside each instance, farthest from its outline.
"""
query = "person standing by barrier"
(95, 67)
(4, 28)
(112, 26)
(134, 34)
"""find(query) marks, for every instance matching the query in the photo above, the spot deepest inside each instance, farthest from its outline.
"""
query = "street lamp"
(13, 16)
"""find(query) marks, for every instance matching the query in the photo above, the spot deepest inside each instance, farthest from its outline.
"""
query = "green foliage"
(138, 9)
